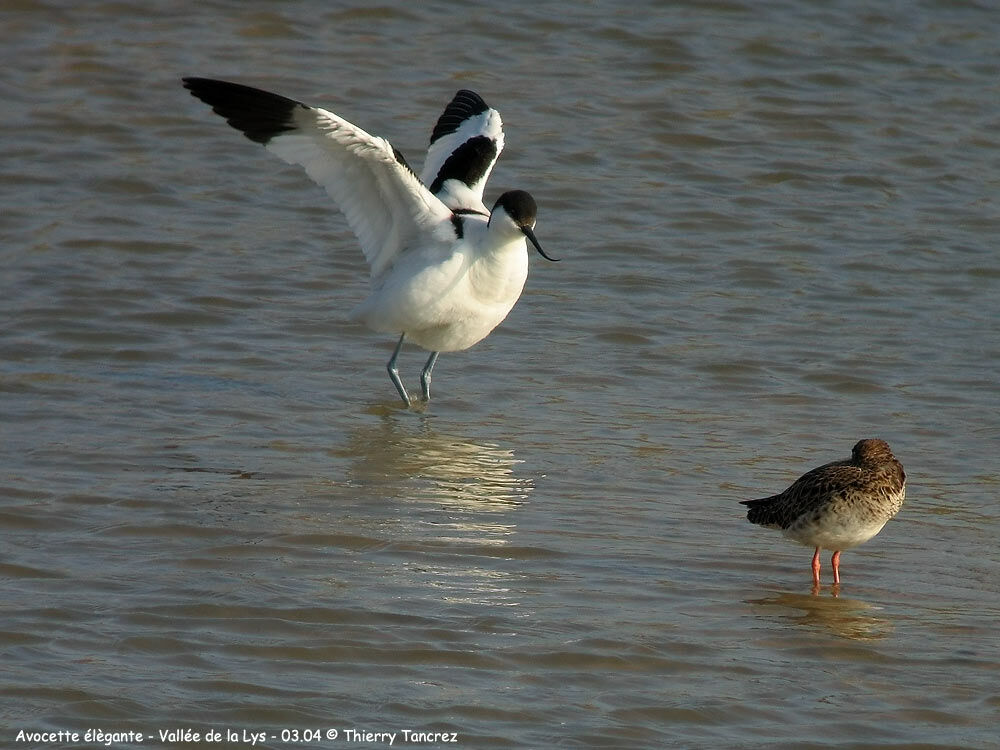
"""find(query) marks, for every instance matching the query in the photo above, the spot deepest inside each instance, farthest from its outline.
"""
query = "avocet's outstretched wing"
(384, 202)
(465, 145)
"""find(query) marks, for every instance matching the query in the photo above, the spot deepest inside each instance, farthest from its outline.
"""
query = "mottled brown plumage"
(838, 505)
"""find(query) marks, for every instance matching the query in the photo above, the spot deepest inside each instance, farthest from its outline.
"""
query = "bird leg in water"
(815, 567)
(394, 373)
(425, 376)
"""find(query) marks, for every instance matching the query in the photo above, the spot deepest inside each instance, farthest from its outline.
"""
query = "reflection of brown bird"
(838, 505)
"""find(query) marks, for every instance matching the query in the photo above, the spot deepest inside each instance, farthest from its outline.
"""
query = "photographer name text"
(248, 737)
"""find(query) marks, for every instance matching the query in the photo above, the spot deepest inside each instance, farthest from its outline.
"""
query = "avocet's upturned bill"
(445, 271)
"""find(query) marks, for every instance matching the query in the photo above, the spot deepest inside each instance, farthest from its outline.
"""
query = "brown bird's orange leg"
(815, 567)
(835, 561)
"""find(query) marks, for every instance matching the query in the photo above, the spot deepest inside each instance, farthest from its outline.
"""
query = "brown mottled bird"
(838, 505)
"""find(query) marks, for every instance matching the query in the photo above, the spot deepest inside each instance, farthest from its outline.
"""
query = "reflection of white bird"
(445, 271)
(838, 505)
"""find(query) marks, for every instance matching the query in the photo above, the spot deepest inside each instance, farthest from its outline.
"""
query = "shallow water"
(778, 227)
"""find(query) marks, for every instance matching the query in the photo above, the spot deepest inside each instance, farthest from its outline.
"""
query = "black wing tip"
(463, 105)
(216, 87)
(260, 115)
(470, 99)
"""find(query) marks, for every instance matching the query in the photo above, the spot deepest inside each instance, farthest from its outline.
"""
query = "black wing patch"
(467, 163)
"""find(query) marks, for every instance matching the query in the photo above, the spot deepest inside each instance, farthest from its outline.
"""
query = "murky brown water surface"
(779, 228)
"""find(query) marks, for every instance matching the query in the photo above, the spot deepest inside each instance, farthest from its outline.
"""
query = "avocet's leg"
(425, 376)
(394, 373)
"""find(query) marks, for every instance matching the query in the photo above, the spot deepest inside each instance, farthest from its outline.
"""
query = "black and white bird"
(445, 270)
(838, 505)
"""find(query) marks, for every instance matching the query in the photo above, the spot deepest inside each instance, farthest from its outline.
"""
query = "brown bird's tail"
(761, 511)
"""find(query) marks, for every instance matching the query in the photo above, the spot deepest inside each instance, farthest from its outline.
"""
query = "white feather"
(384, 202)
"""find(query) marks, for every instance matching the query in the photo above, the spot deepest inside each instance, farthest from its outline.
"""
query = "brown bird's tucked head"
(871, 451)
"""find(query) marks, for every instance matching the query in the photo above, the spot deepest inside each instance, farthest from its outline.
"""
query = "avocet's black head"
(522, 210)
